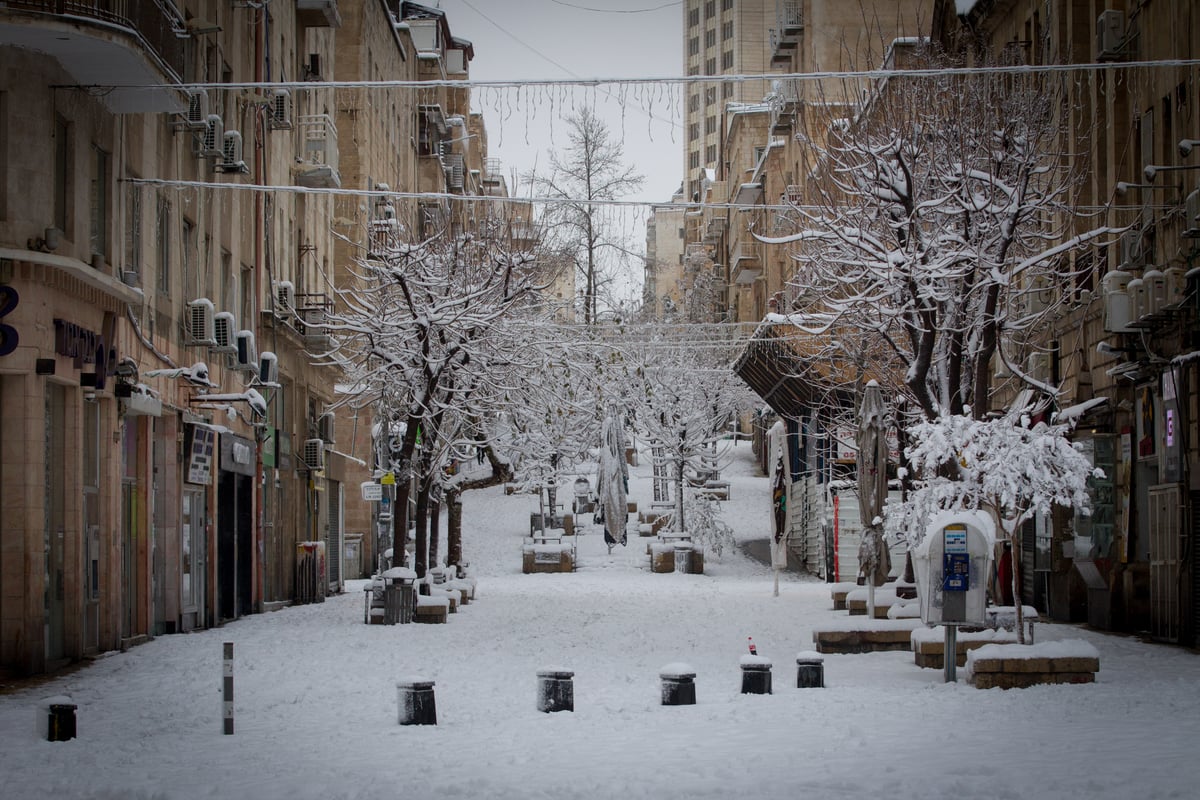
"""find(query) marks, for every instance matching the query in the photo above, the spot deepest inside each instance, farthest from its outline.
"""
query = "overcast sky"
(562, 39)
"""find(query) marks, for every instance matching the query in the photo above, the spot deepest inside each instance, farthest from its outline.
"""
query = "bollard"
(416, 703)
(756, 675)
(678, 685)
(556, 690)
(683, 557)
(61, 722)
(810, 671)
(227, 689)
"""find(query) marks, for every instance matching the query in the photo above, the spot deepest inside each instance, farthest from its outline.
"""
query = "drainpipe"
(257, 598)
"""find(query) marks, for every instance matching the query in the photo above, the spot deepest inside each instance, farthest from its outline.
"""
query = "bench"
(547, 557)
(431, 610)
(870, 636)
(1018, 666)
(838, 592)
(929, 645)
(662, 557)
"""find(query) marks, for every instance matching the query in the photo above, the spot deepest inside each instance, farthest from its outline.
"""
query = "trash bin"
(556, 690)
(683, 557)
(398, 600)
(678, 685)
(56, 719)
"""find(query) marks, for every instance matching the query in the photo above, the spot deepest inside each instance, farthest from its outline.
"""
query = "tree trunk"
(435, 521)
(454, 530)
(1016, 582)
(421, 545)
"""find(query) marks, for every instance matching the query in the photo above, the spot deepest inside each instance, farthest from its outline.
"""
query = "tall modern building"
(721, 37)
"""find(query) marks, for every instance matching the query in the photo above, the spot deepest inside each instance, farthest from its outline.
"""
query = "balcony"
(106, 43)
(745, 267)
(318, 13)
(789, 25)
(318, 167)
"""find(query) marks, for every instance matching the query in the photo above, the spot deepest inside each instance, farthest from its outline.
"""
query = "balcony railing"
(319, 157)
(152, 23)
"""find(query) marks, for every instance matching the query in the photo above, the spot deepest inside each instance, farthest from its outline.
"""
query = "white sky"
(559, 39)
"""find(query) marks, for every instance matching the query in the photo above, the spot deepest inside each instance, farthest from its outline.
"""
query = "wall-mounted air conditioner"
(1132, 253)
(200, 323)
(315, 330)
(1176, 286)
(1191, 215)
(210, 142)
(1118, 312)
(285, 298)
(195, 116)
(1155, 283)
(1110, 35)
(268, 369)
(224, 331)
(279, 112)
(314, 454)
(246, 358)
(1137, 298)
(231, 154)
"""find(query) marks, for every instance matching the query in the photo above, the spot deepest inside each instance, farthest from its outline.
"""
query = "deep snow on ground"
(316, 702)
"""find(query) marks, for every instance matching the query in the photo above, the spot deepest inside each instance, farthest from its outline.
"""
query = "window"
(246, 319)
(162, 230)
(694, 102)
(693, 131)
(682, 233)
(726, 5)
(693, 45)
(710, 37)
(206, 268)
(62, 173)
(727, 60)
(710, 9)
(694, 159)
(727, 31)
(710, 66)
(710, 95)
(710, 154)
(693, 69)
(710, 124)
(694, 17)
(133, 232)
(727, 90)
(187, 259)
(98, 200)
(228, 285)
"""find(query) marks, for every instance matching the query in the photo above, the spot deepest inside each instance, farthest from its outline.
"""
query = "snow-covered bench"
(1017, 666)
(432, 609)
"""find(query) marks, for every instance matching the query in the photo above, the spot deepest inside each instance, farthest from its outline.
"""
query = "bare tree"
(939, 226)
(590, 168)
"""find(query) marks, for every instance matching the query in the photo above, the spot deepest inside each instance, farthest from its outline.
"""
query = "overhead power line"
(1023, 69)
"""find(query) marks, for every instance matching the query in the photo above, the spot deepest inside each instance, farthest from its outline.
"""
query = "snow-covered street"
(316, 699)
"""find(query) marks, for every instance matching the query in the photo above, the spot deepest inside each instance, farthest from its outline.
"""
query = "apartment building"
(174, 453)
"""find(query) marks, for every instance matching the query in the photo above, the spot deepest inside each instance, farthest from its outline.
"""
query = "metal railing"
(319, 134)
(154, 23)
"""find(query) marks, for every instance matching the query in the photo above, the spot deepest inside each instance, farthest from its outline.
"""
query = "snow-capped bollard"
(683, 557)
(756, 675)
(810, 671)
(556, 690)
(416, 702)
(678, 685)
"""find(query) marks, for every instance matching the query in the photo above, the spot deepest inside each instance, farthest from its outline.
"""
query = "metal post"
(227, 689)
(950, 653)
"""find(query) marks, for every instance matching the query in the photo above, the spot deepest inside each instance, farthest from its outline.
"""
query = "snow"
(316, 699)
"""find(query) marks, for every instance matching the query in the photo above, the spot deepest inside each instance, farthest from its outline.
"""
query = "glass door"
(193, 547)
(91, 521)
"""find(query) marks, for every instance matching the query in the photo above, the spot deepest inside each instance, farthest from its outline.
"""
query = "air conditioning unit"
(1176, 286)
(314, 454)
(246, 358)
(268, 369)
(1132, 254)
(285, 298)
(200, 323)
(1137, 298)
(315, 330)
(1117, 309)
(279, 113)
(231, 154)
(1155, 283)
(224, 331)
(454, 170)
(325, 426)
(1191, 215)
(195, 118)
(1110, 35)
(1039, 295)
(211, 140)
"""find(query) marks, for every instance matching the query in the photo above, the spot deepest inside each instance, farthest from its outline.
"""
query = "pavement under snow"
(316, 699)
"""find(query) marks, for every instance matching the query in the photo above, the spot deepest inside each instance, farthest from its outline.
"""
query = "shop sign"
(200, 455)
(86, 346)
(237, 454)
